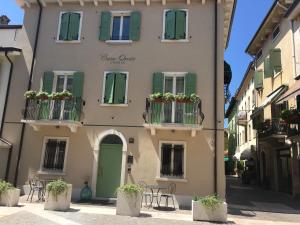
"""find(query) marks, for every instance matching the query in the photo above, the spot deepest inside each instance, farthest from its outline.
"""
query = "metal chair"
(146, 193)
(36, 185)
(169, 194)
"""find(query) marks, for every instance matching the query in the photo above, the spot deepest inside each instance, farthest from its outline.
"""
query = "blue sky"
(248, 16)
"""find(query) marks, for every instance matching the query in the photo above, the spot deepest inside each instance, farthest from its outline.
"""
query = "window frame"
(172, 178)
(59, 25)
(122, 14)
(186, 27)
(45, 171)
(125, 104)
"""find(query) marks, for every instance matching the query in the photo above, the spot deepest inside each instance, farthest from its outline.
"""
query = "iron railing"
(48, 109)
(173, 113)
(277, 127)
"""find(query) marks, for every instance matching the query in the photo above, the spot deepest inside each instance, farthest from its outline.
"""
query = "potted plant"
(9, 195)
(194, 98)
(168, 97)
(181, 98)
(209, 208)
(42, 95)
(129, 200)
(156, 97)
(65, 95)
(30, 94)
(291, 116)
(58, 196)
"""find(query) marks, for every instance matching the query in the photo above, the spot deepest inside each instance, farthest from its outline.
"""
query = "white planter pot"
(61, 203)
(218, 214)
(10, 197)
(128, 205)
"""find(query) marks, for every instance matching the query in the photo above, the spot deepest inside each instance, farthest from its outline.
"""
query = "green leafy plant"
(156, 97)
(210, 201)
(4, 186)
(290, 116)
(240, 165)
(57, 187)
(42, 95)
(168, 97)
(30, 94)
(181, 97)
(65, 95)
(194, 98)
(131, 189)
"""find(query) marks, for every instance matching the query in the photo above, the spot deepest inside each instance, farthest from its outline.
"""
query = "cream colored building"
(276, 59)
(112, 55)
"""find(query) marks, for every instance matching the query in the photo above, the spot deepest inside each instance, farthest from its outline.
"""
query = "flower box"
(204, 213)
(59, 203)
(128, 205)
(10, 197)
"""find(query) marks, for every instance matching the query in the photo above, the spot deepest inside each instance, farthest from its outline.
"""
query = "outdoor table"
(158, 188)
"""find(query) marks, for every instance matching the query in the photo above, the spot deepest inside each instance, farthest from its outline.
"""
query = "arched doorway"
(109, 166)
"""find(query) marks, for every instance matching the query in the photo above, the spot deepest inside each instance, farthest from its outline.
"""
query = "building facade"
(111, 56)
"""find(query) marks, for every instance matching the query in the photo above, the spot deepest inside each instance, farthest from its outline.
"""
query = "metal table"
(156, 189)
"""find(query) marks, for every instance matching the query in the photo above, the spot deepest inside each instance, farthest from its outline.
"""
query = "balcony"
(173, 116)
(49, 112)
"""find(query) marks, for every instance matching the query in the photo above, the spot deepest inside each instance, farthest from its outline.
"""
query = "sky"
(248, 16)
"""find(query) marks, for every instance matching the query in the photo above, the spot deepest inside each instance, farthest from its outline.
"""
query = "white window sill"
(114, 105)
(68, 42)
(42, 172)
(183, 180)
(119, 42)
(175, 41)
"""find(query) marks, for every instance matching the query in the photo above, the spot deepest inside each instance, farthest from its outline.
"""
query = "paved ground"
(247, 205)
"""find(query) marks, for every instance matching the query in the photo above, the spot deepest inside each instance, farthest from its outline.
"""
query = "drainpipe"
(28, 88)
(215, 100)
(294, 50)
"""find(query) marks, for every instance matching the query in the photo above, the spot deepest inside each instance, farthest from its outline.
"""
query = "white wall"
(4, 74)
(9, 37)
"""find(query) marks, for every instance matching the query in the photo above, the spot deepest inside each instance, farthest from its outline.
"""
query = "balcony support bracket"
(37, 124)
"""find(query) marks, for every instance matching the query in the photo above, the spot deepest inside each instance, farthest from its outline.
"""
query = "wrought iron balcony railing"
(277, 127)
(184, 113)
(48, 109)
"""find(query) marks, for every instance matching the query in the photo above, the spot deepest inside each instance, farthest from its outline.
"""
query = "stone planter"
(218, 214)
(10, 197)
(61, 203)
(128, 205)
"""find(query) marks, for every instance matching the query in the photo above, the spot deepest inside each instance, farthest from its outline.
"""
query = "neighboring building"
(9, 52)
(276, 53)
(111, 57)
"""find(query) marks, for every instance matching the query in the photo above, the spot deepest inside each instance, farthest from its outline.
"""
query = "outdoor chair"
(36, 186)
(146, 193)
(169, 194)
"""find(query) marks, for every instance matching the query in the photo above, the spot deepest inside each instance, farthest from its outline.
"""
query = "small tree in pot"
(129, 200)
(9, 195)
(209, 208)
(58, 196)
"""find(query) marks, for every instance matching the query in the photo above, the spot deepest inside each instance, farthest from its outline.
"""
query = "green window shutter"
(48, 82)
(268, 72)
(258, 80)
(78, 81)
(120, 88)
(158, 83)
(275, 60)
(64, 26)
(74, 24)
(109, 88)
(170, 24)
(105, 26)
(180, 25)
(190, 83)
(135, 26)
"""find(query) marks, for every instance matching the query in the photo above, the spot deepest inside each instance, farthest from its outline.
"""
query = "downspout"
(215, 100)
(294, 50)
(4, 114)
(28, 88)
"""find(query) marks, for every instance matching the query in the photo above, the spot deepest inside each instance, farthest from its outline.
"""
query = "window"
(120, 26)
(275, 32)
(175, 25)
(54, 154)
(172, 156)
(69, 26)
(115, 88)
(253, 98)
(249, 133)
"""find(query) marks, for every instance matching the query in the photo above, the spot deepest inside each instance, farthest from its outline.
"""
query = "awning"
(237, 156)
(293, 91)
(270, 99)
(246, 154)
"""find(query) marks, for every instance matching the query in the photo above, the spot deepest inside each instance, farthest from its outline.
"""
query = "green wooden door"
(109, 170)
